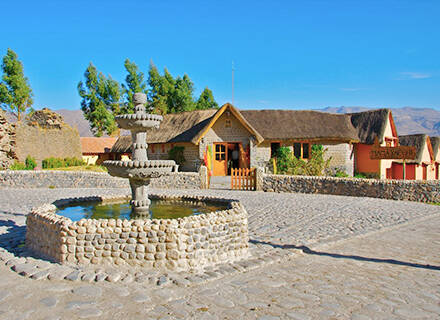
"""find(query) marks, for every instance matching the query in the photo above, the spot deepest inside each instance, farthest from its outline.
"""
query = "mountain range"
(408, 120)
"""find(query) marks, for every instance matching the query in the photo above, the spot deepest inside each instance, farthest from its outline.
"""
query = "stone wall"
(177, 180)
(46, 135)
(81, 179)
(176, 244)
(342, 157)
(421, 191)
(159, 151)
(7, 142)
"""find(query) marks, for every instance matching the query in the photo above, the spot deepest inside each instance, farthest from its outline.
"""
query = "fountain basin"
(139, 169)
(175, 244)
(138, 121)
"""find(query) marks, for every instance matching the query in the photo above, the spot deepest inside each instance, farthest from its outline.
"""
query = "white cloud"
(414, 75)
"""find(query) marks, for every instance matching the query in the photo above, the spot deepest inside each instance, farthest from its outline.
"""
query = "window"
(297, 150)
(301, 150)
(274, 146)
(228, 123)
(305, 150)
(152, 148)
(220, 152)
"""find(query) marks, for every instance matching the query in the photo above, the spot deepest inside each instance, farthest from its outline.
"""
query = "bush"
(30, 163)
(284, 159)
(51, 163)
(367, 175)
(73, 162)
(176, 154)
(17, 166)
(287, 163)
(340, 174)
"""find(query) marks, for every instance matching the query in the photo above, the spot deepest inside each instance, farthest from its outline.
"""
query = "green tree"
(160, 87)
(170, 95)
(135, 83)
(101, 99)
(206, 100)
(15, 91)
(182, 95)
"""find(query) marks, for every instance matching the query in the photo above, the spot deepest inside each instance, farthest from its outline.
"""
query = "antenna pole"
(232, 82)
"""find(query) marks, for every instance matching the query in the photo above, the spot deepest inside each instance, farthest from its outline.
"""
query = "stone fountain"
(139, 170)
(191, 242)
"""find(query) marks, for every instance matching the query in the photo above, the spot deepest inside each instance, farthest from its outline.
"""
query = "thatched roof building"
(435, 142)
(263, 124)
(418, 141)
(371, 124)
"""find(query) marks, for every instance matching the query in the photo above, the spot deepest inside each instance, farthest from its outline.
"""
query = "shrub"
(73, 162)
(176, 154)
(284, 159)
(286, 163)
(51, 163)
(340, 174)
(17, 166)
(30, 163)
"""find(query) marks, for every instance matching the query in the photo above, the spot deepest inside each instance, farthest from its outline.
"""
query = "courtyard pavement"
(325, 257)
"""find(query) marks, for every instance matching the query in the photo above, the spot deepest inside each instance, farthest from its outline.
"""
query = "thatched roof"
(300, 124)
(122, 145)
(370, 124)
(415, 140)
(180, 127)
(269, 125)
(435, 142)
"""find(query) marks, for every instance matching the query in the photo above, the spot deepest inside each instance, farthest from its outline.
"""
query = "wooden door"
(425, 171)
(220, 159)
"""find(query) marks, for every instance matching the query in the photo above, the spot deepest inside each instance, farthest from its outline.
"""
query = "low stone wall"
(176, 244)
(177, 180)
(81, 179)
(421, 191)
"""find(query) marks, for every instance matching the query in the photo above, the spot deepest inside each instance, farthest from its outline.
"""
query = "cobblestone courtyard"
(316, 257)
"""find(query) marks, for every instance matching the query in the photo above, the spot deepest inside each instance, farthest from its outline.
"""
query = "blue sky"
(287, 54)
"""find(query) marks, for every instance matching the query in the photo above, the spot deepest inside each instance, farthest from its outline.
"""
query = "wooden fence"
(243, 179)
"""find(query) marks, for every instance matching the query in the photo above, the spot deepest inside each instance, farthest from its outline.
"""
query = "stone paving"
(321, 257)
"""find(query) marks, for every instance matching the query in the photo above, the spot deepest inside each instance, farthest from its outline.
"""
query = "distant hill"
(408, 120)
(75, 119)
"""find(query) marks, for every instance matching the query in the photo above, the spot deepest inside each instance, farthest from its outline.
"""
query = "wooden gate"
(243, 179)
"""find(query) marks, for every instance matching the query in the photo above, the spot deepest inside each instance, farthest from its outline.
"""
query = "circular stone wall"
(176, 244)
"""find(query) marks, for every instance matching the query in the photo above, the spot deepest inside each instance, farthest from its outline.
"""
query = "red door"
(425, 171)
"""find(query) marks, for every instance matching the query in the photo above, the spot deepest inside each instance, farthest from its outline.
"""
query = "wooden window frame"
(228, 123)
(302, 149)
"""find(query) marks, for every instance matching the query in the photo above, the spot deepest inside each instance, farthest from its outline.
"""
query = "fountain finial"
(139, 100)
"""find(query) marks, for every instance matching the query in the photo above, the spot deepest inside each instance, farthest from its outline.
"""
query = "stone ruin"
(46, 118)
(7, 142)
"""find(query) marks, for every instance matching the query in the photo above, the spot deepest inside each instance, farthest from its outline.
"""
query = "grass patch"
(82, 168)
(434, 203)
